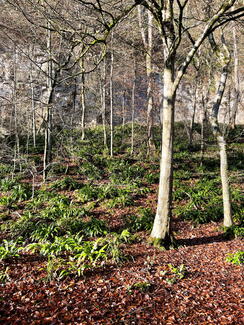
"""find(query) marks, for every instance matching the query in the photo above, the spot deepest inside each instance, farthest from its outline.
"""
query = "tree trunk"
(133, 105)
(111, 103)
(161, 232)
(151, 145)
(83, 101)
(50, 98)
(203, 123)
(16, 131)
(103, 102)
(49, 132)
(192, 122)
(47, 155)
(204, 102)
(225, 181)
(224, 59)
(236, 91)
(33, 108)
(147, 38)
(123, 109)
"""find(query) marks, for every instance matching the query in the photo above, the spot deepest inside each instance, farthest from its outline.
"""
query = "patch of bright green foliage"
(142, 286)
(203, 200)
(174, 273)
(143, 221)
(236, 258)
(234, 232)
(9, 249)
(73, 255)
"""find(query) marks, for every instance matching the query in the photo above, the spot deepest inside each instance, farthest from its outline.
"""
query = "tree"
(223, 57)
(147, 38)
(177, 27)
(170, 18)
(111, 94)
(236, 90)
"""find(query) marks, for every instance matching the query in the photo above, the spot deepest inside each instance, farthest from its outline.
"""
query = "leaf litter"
(142, 290)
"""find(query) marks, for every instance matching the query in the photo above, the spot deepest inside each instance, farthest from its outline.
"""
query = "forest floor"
(145, 289)
(74, 249)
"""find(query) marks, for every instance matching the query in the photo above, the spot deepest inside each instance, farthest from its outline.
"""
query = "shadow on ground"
(202, 240)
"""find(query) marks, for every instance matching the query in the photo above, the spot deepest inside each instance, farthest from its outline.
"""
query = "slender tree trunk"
(193, 116)
(147, 38)
(73, 114)
(103, 103)
(133, 107)
(161, 231)
(16, 131)
(204, 103)
(47, 155)
(123, 109)
(83, 101)
(111, 101)
(236, 82)
(151, 144)
(33, 108)
(27, 131)
(50, 99)
(44, 173)
(83, 107)
(224, 59)
(225, 181)
(49, 133)
(202, 143)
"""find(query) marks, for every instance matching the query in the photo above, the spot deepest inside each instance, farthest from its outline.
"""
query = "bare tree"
(224, 57)
(176, 30)
(111, 98)
(147, 38)
(236, 90)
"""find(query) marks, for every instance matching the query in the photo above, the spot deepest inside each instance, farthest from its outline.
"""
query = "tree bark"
(123, 109)
(133, 107)
(162, 224)
(16, 128)
(147, 38)
(236, 91)
(33, 107)
(111, 101)
(192, 122)
(225, 181)
(224, 59)
(47, 155)
(83, 101)
(103, 102)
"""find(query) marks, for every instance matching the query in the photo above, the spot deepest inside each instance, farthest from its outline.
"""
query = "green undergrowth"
(236, 258)
(65, 219)
(202, 200)
(71, 255)
(236, 231)
(142, 221)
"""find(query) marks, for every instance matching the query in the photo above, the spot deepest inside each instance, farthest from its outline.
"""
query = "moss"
(168, 243)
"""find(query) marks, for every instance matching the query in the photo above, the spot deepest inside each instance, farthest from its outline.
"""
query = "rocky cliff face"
(24, 94)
